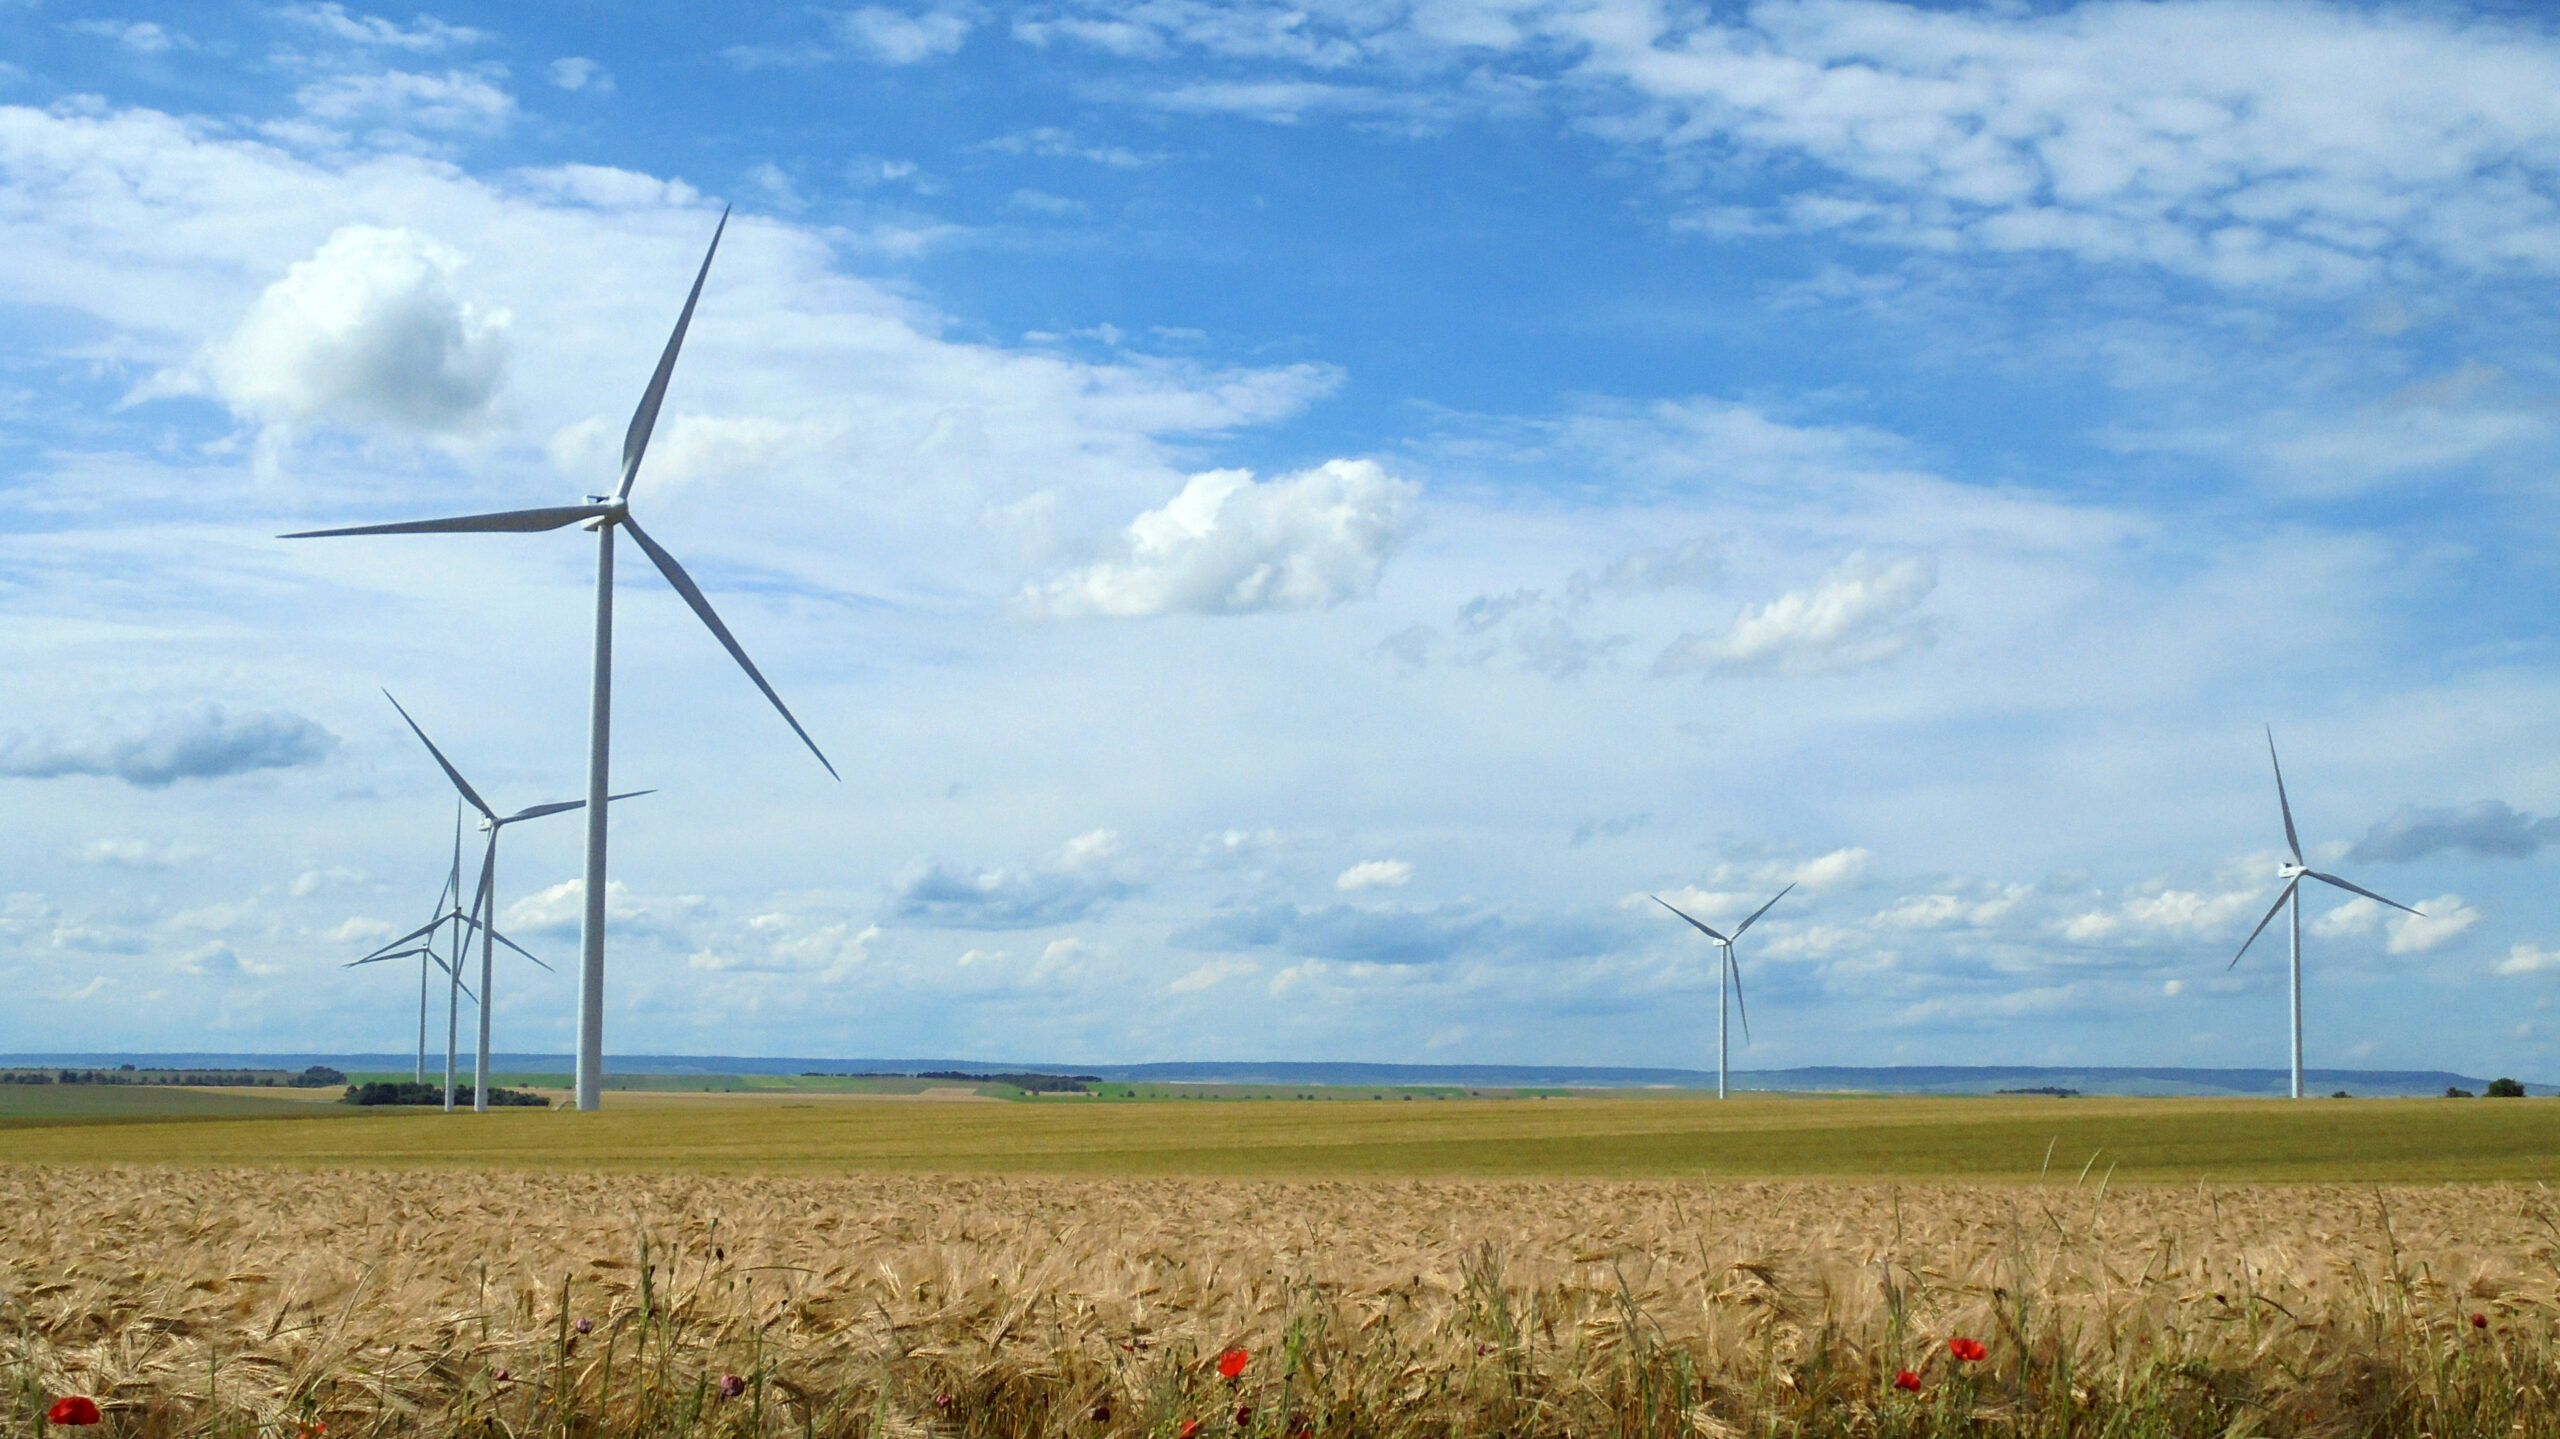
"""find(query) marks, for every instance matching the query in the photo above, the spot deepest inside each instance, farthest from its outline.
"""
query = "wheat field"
(251, 1300)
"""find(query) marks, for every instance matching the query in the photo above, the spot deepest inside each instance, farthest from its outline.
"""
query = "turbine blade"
(2291, 840)
(2281, 896)
(1675, 909)
(635, 441)
(1764, 909)
(520, 949)
(1735, 966)
(524, 522)
(683, 582)
(538, 811)
(627, 794)
(2359, 889)
(378, 958)
(419, 933)
(450, 772)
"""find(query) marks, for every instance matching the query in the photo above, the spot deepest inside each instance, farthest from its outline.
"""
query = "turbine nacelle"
(2291, 870)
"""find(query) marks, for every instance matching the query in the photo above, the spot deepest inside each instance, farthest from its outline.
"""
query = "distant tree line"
(1030, 1083)
(407, 1091)
(318, 1076)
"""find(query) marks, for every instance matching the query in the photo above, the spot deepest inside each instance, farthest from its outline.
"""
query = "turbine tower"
(604, 514)
(484, 905)
(2293, 874)
(1728, 977)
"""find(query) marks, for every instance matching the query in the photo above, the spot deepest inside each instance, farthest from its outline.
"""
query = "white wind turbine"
(2293, 874)
(1728, 976)
(604, 514)
(422, 942)
(483, 915)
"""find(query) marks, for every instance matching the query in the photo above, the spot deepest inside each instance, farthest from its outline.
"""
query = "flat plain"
(2007, 1139)
(898, 1267)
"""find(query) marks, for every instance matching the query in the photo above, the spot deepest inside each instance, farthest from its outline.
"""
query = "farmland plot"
(279, 1302)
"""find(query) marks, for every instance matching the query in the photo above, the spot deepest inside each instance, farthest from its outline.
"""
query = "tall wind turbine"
(2293, 874)
(604, 514)
(1728, 976)
(484, 904)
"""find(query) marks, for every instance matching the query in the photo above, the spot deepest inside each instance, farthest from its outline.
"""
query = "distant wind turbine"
(422, 942)
(604, 514)
(1728, 975)
(484, 903)
(2293, 874)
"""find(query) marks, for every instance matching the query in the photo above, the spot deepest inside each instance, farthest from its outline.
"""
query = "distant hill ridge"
(1892, 1079)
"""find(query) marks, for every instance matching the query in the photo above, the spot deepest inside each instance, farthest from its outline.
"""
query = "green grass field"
(2152, 1140)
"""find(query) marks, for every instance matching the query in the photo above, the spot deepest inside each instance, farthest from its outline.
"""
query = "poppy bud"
(2479, 1321)
(585, 1326)
(731, 1386)
(1101, 1414)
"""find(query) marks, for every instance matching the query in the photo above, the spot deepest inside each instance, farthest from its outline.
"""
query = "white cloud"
(460, 101)
(1215, 972)
(143, 37)
(312, 881)
(368, 330)
(1375, 874)
(423, 35)
(205, 741)
(578, 73)
(2529, 959)
(1839, 869)
(895, 37)
(1861, 614)
(1229, 545)
(134, 854)
(2438, 923)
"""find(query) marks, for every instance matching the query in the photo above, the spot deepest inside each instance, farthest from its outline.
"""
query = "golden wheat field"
(256, 1301)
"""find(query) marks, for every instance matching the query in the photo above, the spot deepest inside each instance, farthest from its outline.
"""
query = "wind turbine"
(1728, 975)
(447, 911)
(604, 514)
(483, 915)
(2293, 874)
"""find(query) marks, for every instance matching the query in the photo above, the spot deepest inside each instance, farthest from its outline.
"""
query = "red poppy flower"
(1244, 1415)
(1101, 1414)
(1190, 1430)
(1231, 1364)
(1905, 1379)
(1967, 1350)
(73, 1409)
(2479, 1321)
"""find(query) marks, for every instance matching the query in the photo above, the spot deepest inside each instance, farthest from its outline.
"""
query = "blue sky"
(1293, 520)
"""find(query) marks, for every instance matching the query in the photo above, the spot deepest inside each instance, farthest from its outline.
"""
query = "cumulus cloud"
(1228, 544)
(2438, 922)
(1070, 884)
(1375, 874)
(1862, 614)
(1215, 972)
(2529, 959)
(312, 881)
(143, 37)
(423, 35)
(1345, 933)
(459, 101)
(828, 948)
(217, 960)
(134, 854)
(897, 37)
(577, 72)
(206, 742)
(369, 330)
(2486, 830)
